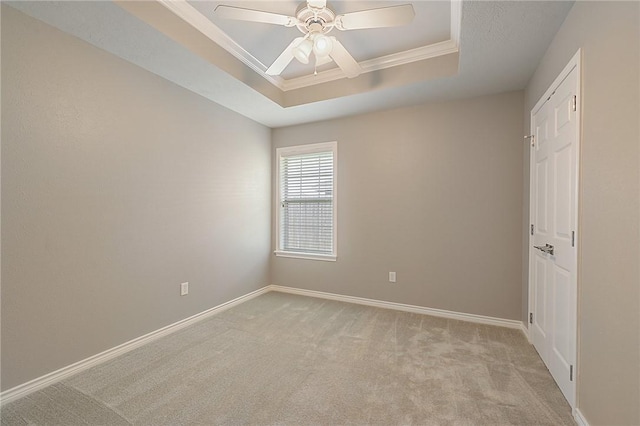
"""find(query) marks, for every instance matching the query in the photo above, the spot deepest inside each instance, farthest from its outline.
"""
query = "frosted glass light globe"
(302, 51)
(322, 46)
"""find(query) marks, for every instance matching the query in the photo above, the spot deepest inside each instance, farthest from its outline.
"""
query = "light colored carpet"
(285, 359)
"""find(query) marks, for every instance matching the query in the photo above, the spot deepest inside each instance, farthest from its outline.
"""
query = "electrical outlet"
(392, 277)
(184, 289)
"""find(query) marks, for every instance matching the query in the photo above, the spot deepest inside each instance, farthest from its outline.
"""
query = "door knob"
(547, 248)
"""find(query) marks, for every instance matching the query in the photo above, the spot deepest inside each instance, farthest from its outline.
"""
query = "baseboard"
(525, 331)
(480, 319)
(68, 371)
(579, 418)
(55, 376)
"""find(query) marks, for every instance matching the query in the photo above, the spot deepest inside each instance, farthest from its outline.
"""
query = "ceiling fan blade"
(241, 14)
(284, 59)
(391, 16)
(344, 59)
(317, 4)
(322, 60)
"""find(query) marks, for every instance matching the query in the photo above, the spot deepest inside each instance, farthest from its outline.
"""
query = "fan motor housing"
(314, 20)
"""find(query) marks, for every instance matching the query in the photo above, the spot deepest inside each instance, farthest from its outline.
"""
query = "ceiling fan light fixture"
(314, 20)
(302, 51)
(322, 46)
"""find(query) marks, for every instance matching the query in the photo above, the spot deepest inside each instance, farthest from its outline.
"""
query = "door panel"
(563, 110)
(541, 196)
(562, 193)
(539, 326)
(563, 344)
(541, 173)
(554, 215)
(561, 337)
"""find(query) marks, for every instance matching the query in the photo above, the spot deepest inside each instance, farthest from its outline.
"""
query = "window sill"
(307, 256)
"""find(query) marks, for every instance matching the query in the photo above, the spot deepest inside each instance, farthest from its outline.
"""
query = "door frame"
(574, 63)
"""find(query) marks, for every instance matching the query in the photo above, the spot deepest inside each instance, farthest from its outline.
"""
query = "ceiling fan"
(314, 20)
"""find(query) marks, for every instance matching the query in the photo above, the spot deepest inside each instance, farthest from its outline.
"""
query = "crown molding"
(200, 22)
(375, 64)
(456, 20)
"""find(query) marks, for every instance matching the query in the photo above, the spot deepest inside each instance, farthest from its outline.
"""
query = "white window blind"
(306, 216)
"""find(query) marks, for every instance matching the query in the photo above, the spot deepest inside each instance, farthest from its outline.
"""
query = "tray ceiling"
(501, 44)
(433, 32)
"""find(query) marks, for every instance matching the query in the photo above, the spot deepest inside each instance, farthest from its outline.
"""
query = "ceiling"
(264, 42)
(451, 50)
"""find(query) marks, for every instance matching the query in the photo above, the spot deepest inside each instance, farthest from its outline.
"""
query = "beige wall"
(433, 193)
(116, 186)
(112, 196)
(609, 241)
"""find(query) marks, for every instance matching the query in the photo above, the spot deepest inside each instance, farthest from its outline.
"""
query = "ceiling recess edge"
(200, 22)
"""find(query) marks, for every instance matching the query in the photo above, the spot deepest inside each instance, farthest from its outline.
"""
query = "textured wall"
(116, 186)
(609, 241)
(433, 193)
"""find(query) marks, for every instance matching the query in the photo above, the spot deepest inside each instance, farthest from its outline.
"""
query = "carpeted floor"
(285, 359)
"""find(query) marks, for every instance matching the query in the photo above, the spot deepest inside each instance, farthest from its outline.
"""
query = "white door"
(553, 248)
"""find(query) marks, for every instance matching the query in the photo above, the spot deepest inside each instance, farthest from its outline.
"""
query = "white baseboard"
(525, 331)
(481, 319)
(579, 418)
(65, 372)
(55, 376)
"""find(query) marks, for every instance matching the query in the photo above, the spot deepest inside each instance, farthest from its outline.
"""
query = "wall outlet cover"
(184, 289)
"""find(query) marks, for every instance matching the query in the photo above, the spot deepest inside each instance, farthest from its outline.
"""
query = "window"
(306, 213)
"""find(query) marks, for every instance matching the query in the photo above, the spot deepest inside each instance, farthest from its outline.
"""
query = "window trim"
(307, 149)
